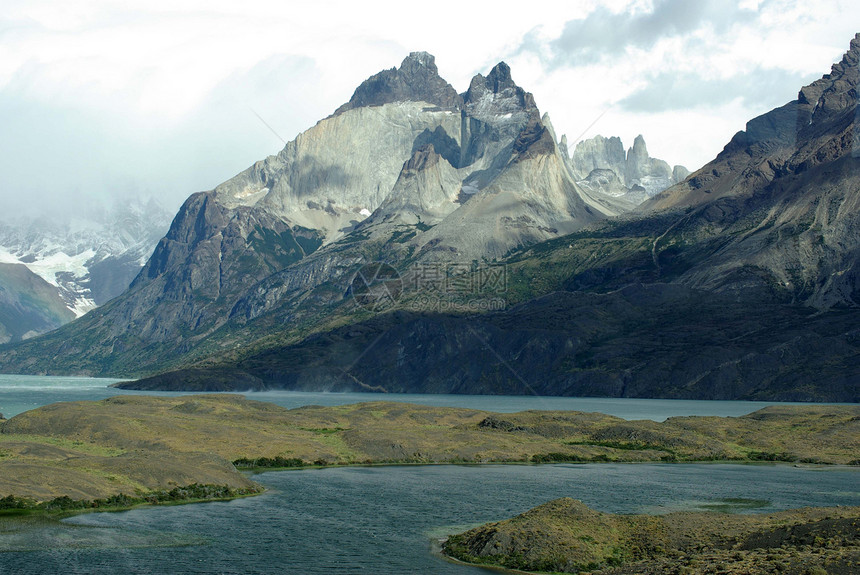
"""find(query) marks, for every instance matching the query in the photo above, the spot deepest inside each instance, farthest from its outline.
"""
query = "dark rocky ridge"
(417, 80)
(780, 206)
(498, 82)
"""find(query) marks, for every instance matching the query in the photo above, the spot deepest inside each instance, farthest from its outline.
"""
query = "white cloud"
(687, 75)
(97, 95)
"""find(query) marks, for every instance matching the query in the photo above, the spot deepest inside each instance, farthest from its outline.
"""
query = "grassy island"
(137, 445)
(565, 536)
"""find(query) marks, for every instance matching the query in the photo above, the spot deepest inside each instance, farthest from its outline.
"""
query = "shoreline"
(738, 462)
(37, 510)
(44, 509)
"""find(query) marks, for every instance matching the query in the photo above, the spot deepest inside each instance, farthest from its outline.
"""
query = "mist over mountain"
(28, 304)
(707, 289)
(83, 258)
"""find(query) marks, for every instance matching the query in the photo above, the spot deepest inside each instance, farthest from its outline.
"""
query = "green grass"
(11, 506)
(84, 447)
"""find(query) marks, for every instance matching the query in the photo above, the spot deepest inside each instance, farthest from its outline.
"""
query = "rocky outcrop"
(599, 153)
(650, 173)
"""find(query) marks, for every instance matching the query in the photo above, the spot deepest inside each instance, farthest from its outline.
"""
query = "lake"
(20, 393)
(385, 520)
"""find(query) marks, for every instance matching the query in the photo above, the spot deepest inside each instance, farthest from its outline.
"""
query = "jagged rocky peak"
(562, 145)
(547, 122)
(497, 94)
(836, 91)
(828, 103)
(499, 79)
(638, 160)
(639, 149)
(417, 80)
(534, 139)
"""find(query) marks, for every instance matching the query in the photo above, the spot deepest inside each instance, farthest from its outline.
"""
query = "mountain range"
(508, 266)
(56, 268)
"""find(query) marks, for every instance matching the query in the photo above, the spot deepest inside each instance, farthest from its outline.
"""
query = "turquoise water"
(21, 393)
(384, 521)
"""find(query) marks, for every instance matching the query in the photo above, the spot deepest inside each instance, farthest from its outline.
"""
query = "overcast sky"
(100, 100)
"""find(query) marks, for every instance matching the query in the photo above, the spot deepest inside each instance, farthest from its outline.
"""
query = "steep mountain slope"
(28, 304)
(779, 208)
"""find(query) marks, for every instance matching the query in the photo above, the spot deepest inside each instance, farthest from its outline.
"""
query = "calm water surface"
(20, 393)
(384, 520)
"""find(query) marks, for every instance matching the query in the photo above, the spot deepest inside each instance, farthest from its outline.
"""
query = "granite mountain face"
(632, 177)
(707, 289)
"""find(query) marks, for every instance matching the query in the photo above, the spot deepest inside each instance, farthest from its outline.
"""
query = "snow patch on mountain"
(90, 257)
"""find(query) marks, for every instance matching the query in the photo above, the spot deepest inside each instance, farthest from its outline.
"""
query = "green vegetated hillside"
(138, 444)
